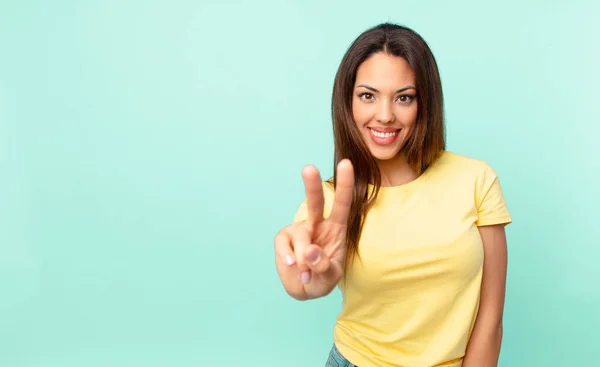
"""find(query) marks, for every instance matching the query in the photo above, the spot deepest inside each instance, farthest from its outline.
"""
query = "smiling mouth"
(384, 135)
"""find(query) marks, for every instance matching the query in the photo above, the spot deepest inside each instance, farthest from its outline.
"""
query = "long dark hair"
(427, 139)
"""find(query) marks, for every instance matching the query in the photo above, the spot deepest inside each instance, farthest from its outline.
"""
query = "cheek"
(360, 113)
(409, 116)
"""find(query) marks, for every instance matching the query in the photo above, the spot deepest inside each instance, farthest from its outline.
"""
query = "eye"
(365, 96)
(405, 99)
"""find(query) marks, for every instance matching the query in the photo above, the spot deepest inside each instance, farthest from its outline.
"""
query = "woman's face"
(384, 103)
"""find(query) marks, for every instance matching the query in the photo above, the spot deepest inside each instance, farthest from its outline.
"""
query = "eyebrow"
(398, 91)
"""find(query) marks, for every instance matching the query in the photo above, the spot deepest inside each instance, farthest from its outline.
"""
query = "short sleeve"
(489, 199)
(328, 194)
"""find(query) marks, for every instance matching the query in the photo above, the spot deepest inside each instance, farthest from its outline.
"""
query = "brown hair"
(427, 139)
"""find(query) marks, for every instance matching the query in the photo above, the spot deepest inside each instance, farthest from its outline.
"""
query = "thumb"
(316, 259)
(320, 264)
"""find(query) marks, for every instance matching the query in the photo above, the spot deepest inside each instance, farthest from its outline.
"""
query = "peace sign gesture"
(310, 254)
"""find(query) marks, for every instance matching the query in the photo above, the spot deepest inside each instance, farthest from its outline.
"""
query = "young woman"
(412, 234)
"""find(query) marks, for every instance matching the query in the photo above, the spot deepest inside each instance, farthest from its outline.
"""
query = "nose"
(385, 114)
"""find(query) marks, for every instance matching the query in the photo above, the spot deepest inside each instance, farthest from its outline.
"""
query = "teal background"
(150, 150)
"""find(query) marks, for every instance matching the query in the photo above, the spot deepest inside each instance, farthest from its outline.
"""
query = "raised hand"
(310, 254)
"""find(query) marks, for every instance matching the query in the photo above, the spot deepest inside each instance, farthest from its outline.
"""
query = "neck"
(396, 171)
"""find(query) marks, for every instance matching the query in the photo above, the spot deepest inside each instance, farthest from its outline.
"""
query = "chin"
(385, 153)
(384, 156)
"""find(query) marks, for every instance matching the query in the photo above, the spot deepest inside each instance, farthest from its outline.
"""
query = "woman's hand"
(310, 254)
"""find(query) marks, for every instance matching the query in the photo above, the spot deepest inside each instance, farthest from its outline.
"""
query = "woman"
(412, 234)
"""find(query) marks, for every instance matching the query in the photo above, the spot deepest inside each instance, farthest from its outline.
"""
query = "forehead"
(383, 71)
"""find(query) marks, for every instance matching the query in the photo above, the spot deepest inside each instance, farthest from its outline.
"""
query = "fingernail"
(314, 256)
(288, 259)
(305, 277)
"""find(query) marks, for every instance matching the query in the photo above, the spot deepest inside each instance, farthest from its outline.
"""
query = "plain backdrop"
(151, 150)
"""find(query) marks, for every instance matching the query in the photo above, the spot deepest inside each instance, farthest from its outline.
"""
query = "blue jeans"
(336, 359)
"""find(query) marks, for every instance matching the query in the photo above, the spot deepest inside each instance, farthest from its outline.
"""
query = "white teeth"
(383, 135)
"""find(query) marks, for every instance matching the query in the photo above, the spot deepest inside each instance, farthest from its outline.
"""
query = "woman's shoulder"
(457, 159)
(452, 163)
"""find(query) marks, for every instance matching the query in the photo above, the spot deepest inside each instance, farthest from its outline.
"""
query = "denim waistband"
(336, 359)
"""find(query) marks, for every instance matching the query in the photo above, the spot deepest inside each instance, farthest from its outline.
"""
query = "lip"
(383, 141)
(383, 129)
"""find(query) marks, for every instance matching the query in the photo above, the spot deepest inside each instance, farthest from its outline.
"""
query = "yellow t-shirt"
(411, 300)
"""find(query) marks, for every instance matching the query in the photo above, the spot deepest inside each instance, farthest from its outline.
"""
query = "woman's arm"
(483, 349)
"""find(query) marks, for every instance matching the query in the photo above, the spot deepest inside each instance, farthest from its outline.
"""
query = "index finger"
(343, 192)
(314, 194)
